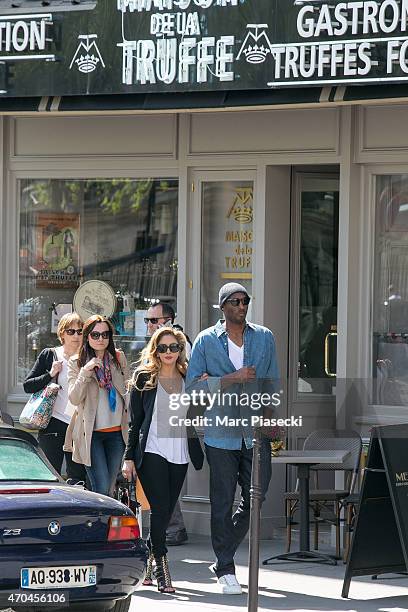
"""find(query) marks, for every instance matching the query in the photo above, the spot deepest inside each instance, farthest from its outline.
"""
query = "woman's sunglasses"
(173, 348)
(72, 332)
(95, 335)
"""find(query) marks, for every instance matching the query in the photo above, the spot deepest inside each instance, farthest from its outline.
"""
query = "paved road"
(287, 587)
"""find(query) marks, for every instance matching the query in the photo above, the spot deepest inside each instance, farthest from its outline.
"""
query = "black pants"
(51, 441)
(227, 469)
(161, 482)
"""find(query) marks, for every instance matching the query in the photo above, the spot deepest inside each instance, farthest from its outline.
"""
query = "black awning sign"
(142, 46)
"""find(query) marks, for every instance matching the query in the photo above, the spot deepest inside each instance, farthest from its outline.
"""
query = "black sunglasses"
(237, 301)
(173, 347)
(95, 335)
(72, 332)
(154, 320)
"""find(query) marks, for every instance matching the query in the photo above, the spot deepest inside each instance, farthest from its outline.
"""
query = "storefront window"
(319, 201)
(390, 316)
(227, 242)
(120, 231)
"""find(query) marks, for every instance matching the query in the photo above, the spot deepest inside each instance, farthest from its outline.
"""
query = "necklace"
(170, 385)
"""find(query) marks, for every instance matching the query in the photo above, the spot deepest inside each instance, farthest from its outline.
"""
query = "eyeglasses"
(173, 347)
(72, 332)
(237, 301)
(154, 320)
(95, 335)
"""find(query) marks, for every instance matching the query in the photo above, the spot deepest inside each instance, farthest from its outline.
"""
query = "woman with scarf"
(96, 386)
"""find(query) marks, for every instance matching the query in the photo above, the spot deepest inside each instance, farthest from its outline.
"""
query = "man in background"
(161, 315)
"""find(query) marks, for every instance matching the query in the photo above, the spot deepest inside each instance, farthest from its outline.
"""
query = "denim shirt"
(210, 355)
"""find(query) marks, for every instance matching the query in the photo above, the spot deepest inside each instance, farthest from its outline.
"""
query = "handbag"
(37, 412)
(127, 495)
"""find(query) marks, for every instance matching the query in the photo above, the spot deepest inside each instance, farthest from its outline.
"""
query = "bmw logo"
(54, 528)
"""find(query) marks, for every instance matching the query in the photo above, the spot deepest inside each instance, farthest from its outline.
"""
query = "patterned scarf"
(104, 377)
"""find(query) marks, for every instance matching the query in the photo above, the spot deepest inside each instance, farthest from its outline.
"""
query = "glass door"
(318, 254)
(313, 298)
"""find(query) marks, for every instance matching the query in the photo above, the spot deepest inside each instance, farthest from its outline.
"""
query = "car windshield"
(20, 461)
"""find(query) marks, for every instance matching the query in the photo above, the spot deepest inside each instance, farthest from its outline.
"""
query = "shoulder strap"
(55, 355)
(118, 354)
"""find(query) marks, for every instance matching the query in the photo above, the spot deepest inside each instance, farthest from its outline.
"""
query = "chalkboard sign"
(380, 542)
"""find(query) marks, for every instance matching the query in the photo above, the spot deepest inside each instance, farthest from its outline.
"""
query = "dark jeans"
(161, 482)
(51, 440)
(107, 448)
(227, 469)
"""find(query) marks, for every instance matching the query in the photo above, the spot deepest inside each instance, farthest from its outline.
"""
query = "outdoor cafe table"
(303, 459)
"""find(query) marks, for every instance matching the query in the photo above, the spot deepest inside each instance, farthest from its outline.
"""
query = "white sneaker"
(229, 585)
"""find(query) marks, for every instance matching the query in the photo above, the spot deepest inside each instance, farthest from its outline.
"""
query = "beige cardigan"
(83, 392)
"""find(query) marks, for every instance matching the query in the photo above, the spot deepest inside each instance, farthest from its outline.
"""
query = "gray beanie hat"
(227, 290)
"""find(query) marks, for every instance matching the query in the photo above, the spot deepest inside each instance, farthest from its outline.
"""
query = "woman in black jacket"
(159, 447)
(53, 363)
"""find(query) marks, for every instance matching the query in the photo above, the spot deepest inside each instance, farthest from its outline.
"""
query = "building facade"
(168, 190)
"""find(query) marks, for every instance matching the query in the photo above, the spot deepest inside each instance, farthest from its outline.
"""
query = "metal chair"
(327, 499)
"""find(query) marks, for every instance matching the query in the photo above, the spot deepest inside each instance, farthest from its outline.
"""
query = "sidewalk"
(294, 587)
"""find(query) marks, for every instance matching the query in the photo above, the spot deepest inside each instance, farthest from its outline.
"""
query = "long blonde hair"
(149, 362)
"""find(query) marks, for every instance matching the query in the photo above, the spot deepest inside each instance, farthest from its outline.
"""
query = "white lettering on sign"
(351, 18)
(170, 60)
(343, 42)
(185, 24)
(344, 61)
(178, 54)
(168, 5)
(19, 36)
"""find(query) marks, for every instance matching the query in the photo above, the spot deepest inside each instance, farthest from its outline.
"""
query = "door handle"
(326, 354)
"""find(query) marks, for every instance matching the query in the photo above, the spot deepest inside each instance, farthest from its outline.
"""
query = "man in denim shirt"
(232, 360)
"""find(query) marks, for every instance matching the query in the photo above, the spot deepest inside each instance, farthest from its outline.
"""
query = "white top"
(105, 417)
(62, 409)
(236, 354)
(168, 441)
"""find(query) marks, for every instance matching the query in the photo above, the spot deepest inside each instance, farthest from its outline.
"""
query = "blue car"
(61, 545)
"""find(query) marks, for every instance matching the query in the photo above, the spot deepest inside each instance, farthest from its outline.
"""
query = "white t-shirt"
(236, 354)
(164, 439)
(63, 409)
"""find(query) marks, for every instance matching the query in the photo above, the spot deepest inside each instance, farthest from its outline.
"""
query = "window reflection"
(318, 285)
(227, 242)
(121, 231)
(390, 329)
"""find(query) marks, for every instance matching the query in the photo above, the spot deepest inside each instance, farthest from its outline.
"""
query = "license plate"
(74, 576)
